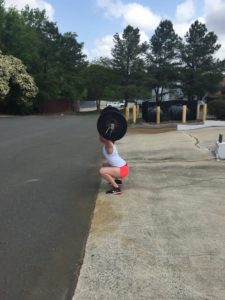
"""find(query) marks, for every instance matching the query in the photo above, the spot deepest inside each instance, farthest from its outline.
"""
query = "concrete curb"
(206, 124)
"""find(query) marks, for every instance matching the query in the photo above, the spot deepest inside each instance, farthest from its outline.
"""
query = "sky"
(96, 21)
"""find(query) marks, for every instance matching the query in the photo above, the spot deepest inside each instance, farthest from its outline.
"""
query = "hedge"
(217, 108)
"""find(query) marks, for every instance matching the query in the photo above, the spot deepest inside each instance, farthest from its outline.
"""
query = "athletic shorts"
(124, 171)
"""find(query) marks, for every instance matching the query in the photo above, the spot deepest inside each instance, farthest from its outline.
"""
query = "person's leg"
(117, 180)
(109, 174)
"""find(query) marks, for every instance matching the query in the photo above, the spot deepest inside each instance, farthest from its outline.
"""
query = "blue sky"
(96, 21)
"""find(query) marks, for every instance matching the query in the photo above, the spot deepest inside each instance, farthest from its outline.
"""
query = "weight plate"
(112, 125)
(110, 108)
(175, 112)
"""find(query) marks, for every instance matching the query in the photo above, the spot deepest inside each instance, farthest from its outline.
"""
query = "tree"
(71, 63)
(61, 58)
(128, 58)
(200, 72)
(17, 39)
(46, 70)
(17, 87)
(2, 17)
(98, 79)
(162, 59)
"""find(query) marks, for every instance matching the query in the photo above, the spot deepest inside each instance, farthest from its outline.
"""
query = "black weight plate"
(110, 108)
(175, 112)
(112, 125)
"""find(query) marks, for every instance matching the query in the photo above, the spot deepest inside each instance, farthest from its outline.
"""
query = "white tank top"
(113, 159)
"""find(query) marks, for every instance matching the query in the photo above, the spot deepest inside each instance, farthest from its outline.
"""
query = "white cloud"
(133, 14)
(185, 11)
(215, 21)
(102, 48)
(184, 17)
(143, 37)
(140, 16)
(221, 52)
(113, 9)
(214, 15)
(181, 28)
(41, 4)
(86, 52)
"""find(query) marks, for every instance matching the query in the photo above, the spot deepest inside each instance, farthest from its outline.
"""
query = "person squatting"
(114, 167)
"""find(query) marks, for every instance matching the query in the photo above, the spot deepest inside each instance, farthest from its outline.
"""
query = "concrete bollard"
(127, 113)
(204, 112)
(184, 113)
(134, 114)
(198, 112)
(158, 115)
(138, 111)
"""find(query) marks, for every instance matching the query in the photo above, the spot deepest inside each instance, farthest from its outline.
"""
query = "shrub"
(17, 87)
(217, 108)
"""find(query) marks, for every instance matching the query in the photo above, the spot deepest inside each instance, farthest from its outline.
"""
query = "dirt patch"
(150, 130)
(105, 218)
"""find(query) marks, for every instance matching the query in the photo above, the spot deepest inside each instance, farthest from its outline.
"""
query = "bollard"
(184, 113)
(220, 138)
(134, 114)
(198, 112)
(127, 112)
(138, 111)
(204, 112)
(158, 115)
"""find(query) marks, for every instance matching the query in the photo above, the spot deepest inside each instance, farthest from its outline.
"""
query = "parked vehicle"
(201, 102)
(139, 101)
(115, 104)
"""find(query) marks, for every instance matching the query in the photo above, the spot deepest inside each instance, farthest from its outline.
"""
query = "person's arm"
(109, 147)
(105, 163)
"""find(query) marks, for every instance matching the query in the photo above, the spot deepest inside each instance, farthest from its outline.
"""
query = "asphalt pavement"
(48, 188)
(163, 237)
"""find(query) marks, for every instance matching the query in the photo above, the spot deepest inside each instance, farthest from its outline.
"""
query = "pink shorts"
(124, 171)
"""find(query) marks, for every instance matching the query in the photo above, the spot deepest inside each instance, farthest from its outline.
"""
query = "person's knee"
(101, 171)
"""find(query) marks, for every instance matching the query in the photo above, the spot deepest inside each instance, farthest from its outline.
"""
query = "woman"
(114, 167)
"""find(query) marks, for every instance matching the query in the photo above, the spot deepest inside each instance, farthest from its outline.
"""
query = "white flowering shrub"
(16, 82)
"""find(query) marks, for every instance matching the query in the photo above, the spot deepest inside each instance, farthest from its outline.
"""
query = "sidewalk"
(164, 237)
(207, 123)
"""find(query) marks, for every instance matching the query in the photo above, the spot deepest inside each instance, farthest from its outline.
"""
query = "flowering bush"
(17, 87)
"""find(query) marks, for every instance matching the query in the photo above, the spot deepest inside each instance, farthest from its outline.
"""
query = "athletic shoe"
(118, 181)
(114, 191)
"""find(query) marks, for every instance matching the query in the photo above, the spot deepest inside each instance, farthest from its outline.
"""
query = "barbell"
(111, 124)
